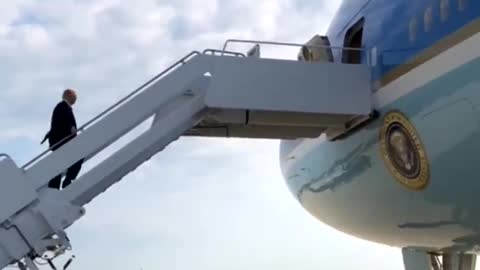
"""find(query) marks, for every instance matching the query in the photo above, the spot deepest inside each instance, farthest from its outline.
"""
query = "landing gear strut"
(421, 260)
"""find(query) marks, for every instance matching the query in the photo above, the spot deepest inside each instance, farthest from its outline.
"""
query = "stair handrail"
(182, 61)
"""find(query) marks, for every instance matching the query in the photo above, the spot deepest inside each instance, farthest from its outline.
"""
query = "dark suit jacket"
(61, 125)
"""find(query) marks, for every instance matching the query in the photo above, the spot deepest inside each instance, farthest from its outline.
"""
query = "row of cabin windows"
(428, 17)
(353, 37)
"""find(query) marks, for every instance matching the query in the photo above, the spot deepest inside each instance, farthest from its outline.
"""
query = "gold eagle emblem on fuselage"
(403, 152)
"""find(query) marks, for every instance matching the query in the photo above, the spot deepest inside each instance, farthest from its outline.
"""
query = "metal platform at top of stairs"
(216, 93)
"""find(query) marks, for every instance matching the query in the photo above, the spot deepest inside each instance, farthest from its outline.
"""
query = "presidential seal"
(403, 152)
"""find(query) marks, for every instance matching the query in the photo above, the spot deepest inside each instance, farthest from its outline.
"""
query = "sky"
(202, 203)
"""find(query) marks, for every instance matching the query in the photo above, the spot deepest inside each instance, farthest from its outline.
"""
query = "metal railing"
(247, 41)
(2, 156)
(215, 51)
(114, 106)
(299, 45)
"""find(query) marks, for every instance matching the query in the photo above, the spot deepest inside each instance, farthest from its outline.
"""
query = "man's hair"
(67, 92)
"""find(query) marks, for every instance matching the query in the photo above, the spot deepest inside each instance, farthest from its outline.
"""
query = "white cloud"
(106, 48)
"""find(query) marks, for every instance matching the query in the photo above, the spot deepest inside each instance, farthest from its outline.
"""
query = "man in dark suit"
(63, 128)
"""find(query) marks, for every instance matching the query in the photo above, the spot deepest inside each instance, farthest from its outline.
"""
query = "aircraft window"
(444, 9)
(428, 19)
(462, 4)
(413, 29)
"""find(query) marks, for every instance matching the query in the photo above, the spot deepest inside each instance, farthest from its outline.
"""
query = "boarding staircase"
(209, 94)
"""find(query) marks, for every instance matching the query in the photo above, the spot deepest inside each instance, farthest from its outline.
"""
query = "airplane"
(377, 119)
(409, 179)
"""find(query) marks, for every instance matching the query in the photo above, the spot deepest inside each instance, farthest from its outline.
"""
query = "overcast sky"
(201, 204)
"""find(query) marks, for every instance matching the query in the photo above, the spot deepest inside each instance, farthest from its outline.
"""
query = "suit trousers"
(70, 175)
